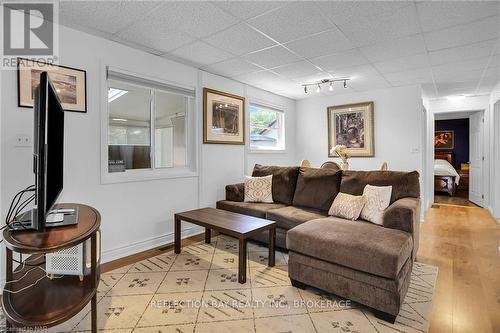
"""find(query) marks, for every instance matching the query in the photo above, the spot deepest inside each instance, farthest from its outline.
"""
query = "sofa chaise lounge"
(368, 263)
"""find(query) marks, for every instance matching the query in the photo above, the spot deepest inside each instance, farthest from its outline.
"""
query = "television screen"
(48, 148)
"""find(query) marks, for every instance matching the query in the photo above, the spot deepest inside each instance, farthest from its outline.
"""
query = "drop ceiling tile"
(422, 75)
(458, 76)
(106, 16)
(369, 29)
(355, 72)
(232, 67)
(324, 43)
(467, 65)
(266, 80)
(196, 18)
(353, 10)
(335, 62)
(462, 53)
(368, 83)
(272, 57)
(437, 15)
(294, 21)
(297, 69)
(249, 9)
(155, 35)
(403, 63)
(200, 53)
(239, 39)
(396, 48)
(464, 88)
(478, 31)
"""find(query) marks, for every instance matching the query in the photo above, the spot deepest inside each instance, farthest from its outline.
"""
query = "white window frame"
(135, 175)
(267, 150)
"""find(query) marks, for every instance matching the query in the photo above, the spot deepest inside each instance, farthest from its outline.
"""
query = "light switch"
(23, 140)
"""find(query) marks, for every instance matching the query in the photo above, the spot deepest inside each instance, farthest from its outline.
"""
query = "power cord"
(16, 206)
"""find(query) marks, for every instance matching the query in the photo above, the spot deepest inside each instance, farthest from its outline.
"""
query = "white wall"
(398, 119)
(135, 215)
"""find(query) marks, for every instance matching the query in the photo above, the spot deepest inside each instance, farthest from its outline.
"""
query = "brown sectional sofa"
(362, 261)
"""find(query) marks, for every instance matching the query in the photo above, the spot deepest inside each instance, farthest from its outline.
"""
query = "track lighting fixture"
(330, 83)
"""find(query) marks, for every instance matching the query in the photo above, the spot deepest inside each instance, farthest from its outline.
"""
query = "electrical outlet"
(23, 140)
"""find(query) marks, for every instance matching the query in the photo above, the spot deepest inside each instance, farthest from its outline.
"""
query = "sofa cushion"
(358, 245)
(317, 188)
(284, 181)
(291, 216)
(404, 184)
(248, 208)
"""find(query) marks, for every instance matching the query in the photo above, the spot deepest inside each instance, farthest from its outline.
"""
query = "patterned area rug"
(198, 291)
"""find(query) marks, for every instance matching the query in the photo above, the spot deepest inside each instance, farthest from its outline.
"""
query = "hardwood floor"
(461, 198)
(464, 242)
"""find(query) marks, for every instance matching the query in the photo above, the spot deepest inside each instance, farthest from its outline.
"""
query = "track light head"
(345, 84)
(305, 89)
(330, 88)
(318, 89)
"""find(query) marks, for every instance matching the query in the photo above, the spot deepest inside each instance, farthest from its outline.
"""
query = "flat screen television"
(48, 149)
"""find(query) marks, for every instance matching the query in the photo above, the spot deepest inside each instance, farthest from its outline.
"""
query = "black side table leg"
(93, 276)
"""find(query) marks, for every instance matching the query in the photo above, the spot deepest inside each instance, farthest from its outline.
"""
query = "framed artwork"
(223, 117)
(351, 125)
(444, 139)
(70, 84)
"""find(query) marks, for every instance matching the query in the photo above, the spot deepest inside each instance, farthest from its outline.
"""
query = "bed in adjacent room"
(446, 178)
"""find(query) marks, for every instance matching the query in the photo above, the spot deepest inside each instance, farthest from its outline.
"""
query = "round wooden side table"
(50, 302)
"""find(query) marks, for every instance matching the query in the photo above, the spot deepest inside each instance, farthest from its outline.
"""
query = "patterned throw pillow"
(347, 206)
(259, 189)
(378, 199)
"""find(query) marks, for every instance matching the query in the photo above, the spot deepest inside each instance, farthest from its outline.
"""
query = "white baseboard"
(147, 244)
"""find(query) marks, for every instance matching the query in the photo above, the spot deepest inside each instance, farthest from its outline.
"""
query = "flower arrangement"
(342, 152)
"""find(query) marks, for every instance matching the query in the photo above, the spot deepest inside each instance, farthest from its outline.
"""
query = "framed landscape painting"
(444, 139)
(70, 84)
(223, 117)
(351, 125)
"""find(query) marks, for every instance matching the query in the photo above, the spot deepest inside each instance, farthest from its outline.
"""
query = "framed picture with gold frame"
(70, 84)
(351, 125)
(223, 117)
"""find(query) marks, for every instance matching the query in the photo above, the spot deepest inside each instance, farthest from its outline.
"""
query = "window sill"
(145, 175)
(266, 151)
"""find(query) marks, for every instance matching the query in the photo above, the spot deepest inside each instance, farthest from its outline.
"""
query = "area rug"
(198, 291)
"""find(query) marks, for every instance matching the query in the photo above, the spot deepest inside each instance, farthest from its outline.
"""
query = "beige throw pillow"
(378, 199)
(259, 189)
(347, 206)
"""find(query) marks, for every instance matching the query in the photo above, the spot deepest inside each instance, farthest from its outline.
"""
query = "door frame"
(429, 152)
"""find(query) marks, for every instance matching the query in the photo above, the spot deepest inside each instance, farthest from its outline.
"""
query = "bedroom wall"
(461, 131)
(135, 215)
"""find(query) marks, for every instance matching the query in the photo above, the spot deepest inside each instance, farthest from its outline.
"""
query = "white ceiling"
(448, 47)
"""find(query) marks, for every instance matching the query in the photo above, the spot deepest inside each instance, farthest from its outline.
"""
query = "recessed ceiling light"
(455, 97)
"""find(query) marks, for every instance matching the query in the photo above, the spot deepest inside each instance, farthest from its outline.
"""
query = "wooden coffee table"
(229, 223)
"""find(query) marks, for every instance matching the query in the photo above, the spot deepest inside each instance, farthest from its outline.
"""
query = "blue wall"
(461, 128)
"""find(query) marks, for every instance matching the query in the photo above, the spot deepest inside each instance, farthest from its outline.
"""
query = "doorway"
(459, 158)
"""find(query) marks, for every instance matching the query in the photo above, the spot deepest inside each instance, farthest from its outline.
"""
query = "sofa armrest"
(404, 214)
(235, 192)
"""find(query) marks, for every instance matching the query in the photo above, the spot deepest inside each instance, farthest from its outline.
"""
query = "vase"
(344, 165)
